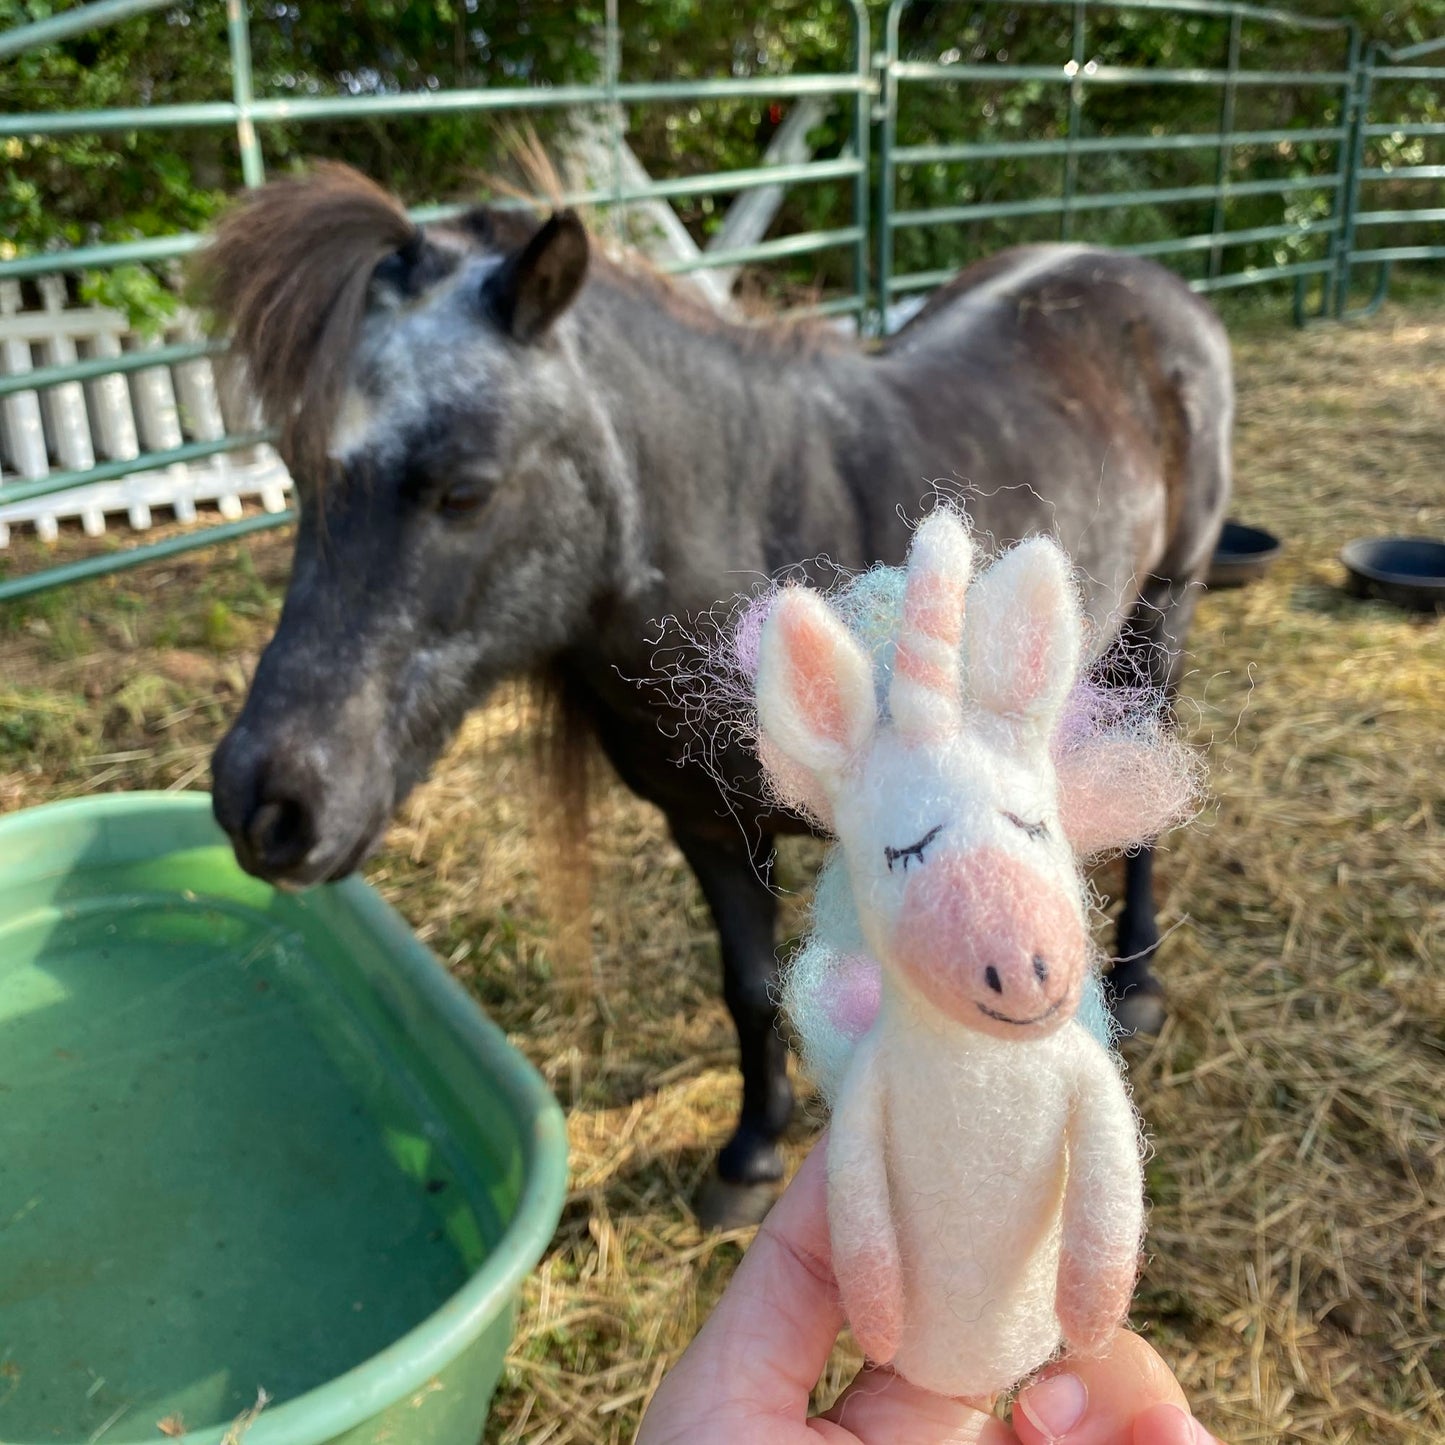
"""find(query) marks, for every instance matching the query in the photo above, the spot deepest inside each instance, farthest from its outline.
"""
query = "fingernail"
(1054, 1406)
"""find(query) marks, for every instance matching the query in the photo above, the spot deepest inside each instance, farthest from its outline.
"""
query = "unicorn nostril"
(1041, 969)
(990, 977)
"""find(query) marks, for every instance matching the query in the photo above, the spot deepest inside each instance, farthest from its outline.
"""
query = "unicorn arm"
(831, 996)
(1103, 1212)
(866, 1260)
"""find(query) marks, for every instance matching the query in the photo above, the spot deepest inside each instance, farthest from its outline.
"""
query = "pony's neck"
(718, 421)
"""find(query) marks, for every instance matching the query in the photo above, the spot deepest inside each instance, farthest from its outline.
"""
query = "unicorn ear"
(816, 706)
(1024, 635)
(1116, 789)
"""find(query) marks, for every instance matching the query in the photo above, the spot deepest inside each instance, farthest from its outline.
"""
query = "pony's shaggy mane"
(287, 273)
(758, 333)
(286, 278)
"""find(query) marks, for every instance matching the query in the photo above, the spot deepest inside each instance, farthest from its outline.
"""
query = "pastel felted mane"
(985, 1190)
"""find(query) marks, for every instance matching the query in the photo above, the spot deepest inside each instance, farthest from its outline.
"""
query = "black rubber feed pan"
(1408, 571)
(1242, 555)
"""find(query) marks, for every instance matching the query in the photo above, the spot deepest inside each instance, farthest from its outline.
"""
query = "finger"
(1097, 1401)
(1170, 1425)
(766, 1342)
(882, 1408)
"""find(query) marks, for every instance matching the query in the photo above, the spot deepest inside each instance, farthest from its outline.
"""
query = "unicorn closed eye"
(985, 1188)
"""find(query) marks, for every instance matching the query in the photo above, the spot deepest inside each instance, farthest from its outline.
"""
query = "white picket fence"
(73, 426)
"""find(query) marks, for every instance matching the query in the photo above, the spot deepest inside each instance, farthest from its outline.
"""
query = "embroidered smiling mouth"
(1052, 1009)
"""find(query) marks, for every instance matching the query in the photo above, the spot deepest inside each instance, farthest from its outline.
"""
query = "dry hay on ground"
(1297, 1238)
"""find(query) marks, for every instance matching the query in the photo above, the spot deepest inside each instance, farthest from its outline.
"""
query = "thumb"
(768, 1338)
(881, 1408)
(1127, 1396)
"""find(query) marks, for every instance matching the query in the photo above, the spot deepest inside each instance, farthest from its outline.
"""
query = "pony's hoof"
(723, 1204)
(1140, 1013)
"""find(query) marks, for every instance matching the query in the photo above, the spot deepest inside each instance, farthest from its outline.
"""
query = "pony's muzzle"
(268, 805)
(286, 821)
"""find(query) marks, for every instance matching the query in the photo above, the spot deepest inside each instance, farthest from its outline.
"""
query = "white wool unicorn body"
(985, 1189)
(1019, 1163)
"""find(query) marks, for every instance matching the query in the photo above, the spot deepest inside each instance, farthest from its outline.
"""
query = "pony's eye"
(462, 501)
(1037, 831)
(912, 851)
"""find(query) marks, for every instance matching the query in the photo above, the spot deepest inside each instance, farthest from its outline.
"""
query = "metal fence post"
(862, 128)
(612, 77)
(1364, 83)
(1346, 170)
(1076, 115)
(887, 140)
(238, 34)
(1226, 145)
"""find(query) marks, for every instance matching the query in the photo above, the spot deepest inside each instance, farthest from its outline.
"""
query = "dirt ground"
(1296, 1248)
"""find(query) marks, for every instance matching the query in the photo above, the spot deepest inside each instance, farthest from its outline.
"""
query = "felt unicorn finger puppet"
(985, 1198)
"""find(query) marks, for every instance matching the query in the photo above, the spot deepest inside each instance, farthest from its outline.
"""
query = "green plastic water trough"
(249, 1141)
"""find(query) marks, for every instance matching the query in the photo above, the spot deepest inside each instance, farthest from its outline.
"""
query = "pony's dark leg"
(745, 911)
(1151, 651)
(1136, 996)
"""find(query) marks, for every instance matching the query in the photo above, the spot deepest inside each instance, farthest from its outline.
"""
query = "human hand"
(746, 1378)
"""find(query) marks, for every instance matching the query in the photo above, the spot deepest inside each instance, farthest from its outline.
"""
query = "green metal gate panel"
(1078, 73)
(852, 88)
(1396, 199)
(1359, 187)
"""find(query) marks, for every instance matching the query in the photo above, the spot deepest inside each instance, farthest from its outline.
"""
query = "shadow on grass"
(1338, 603)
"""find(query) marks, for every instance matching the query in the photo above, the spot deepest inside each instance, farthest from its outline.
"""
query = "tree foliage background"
(77, 189)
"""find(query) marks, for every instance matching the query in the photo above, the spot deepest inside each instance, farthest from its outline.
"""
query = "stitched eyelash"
(1036, 831)
(913, 850)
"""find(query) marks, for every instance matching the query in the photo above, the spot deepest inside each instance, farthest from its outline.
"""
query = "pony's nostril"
(280, 832)
(991, 978)
(1041, 969)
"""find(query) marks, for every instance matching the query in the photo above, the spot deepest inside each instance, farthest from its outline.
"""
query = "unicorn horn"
(925, 693)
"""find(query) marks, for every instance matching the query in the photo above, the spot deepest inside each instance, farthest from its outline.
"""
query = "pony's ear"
(534, 286)
(1024, 635)
(1116, 790)
(816, 706)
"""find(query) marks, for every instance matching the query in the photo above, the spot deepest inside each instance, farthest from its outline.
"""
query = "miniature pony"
(985, 1188)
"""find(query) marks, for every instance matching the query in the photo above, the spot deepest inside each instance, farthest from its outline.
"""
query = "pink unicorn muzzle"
(993, 943)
